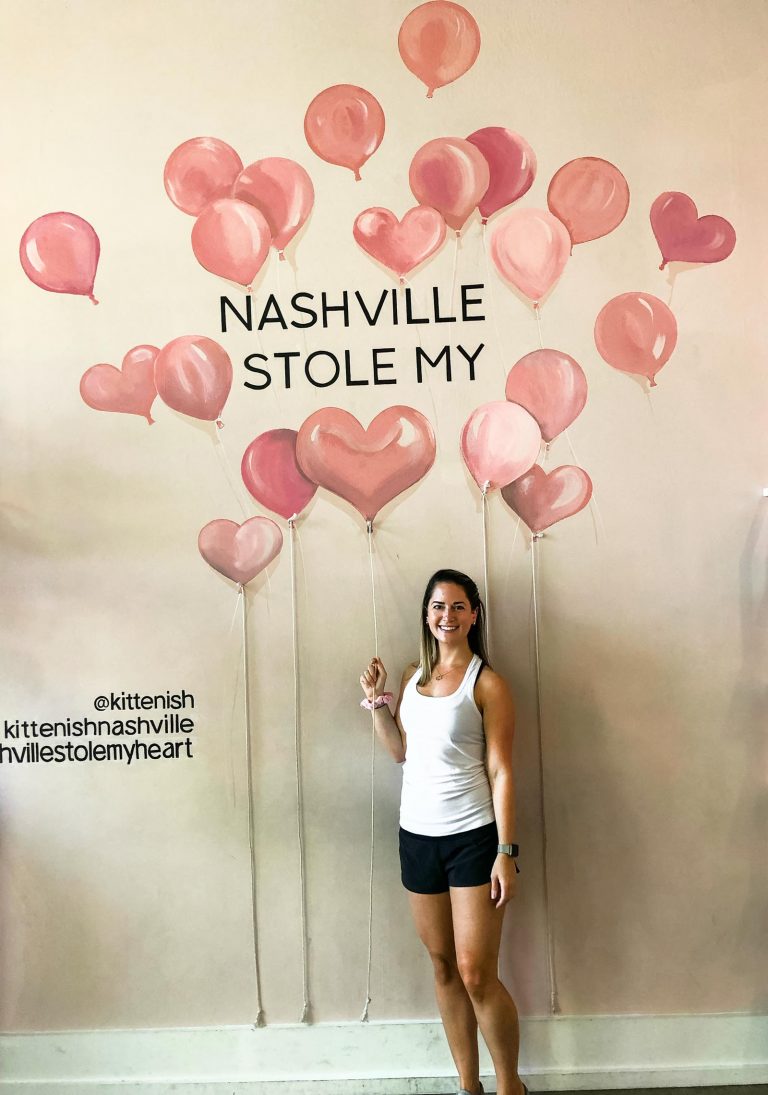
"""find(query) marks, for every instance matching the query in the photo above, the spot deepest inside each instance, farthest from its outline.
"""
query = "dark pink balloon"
(636, 333)
(272, 475)
(512, 164)
(231, 238)
(240, 552)
(590, 196)
(59, 252)
(280, 189)
(499, 442)
(541, 498)
(193, 375)
(451, 175)
(200, 171)
(400, 245)
(684, 236)
(130, 390)
(344, 125)
(439, 41)
(551, 386)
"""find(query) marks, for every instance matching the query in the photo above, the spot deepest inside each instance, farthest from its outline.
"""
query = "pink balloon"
(240, 552)
(400, 245)
(344, 125)
(271, 473)
(512, 164)
(499, 442)
(231, 238)
(130, 390)
(368, 468)
(541, 498)
(551, 386)
(193, 375)
(530, 248)
(684, 236)
(451, 175)
(59, 252)
(590, 196)
(439, 41)
(280, 189)
(636, 333)
(200, 171)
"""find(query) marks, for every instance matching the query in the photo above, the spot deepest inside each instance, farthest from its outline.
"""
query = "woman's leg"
(432, 916)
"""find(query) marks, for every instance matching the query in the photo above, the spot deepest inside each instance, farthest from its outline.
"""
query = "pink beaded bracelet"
(380, 701)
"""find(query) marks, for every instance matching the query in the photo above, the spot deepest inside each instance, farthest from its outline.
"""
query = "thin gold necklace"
(439, 676)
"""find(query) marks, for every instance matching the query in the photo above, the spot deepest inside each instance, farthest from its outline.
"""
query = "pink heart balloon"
(590, 196)
(512, 164)
(636, 333)
(684, 236)
(240, 552)
(271, 473)
(193, 375)
(451, 175)
(368, 468)
(200, 171)
(344, 125)
(130, 390)
(439, 41)
(499, 442)
(59, 252)
(280, 189)
(530, 248)
(551, 386)
(231, 238)
(541, 498)
(400, 245)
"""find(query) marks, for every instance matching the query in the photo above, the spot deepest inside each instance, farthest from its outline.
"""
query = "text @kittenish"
(130, 727)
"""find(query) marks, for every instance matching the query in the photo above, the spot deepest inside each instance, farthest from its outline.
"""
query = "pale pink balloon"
(271, 473)
(366, 467)
(130, 390)
(400, 245)
(200, 171)
(439, 41)
(590, 196)
(193, 375)
(240, 552)
(344, 125)
(280, 189)
(451, 175)
(499, 442)
(530, 248)
(59, 252)
(551, 386)
(636, 333)
(231, 238)
(512, 164)
(684, 236)
(541, 498)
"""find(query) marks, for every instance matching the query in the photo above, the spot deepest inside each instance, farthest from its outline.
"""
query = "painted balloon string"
(221, 452)
(537, 314)
(486, 485)
(494, 313)
(594, 509)
(364, 1016)
(453, 275)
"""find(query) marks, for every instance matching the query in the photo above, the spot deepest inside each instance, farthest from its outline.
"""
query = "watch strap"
(508, 849)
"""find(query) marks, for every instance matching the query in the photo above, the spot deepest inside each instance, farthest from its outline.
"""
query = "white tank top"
(445, 782)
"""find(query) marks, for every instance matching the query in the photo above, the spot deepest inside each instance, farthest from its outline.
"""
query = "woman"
(452, 732)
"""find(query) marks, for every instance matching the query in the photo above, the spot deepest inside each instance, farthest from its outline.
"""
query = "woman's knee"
(479, 978)
(445, 967)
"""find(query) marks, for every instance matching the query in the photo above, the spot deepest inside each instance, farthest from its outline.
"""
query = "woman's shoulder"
(409, 671)
(490, 685)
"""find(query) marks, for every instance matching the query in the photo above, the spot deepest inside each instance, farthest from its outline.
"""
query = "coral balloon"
(530, 248)
(400, 245)
(590, 196)
(512, 165)
(551, 386)
(499, 442)
(684, 236)
(59, 252)
(130, 390)
(636, 333)
(344, 125)
(368, 468)
(451, 175)
(231, 238)
(280, 189)
(271, 473)
(200, 171)
(541, 498)
(240, 552)
(193, 375)
(439, 41)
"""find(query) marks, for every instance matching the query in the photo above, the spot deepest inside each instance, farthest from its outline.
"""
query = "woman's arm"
(388, 727)
(495, 702)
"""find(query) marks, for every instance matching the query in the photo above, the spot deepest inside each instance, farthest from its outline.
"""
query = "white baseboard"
(563, 1053)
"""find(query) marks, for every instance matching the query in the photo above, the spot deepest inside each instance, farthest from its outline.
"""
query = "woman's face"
(449, 615)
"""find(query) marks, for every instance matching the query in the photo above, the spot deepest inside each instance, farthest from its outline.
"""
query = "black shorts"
(432, 864)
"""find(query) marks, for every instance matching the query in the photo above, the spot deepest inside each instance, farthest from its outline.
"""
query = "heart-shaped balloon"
(530, 248)
(368, 468)
(193, 375)
(240, 552)
(400, 245)
(684, 236)
(272, 475)
(130, 390)
(499, 442)
(541, 498)
(551, 386)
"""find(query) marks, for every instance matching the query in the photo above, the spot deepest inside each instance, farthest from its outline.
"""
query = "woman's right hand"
(373, 678)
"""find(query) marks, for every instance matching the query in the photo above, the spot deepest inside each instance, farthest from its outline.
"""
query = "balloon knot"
(535, 305)
(537, 536)
(369, 525)
(458, 233)
(219, 424)
(664, 263)
(653, 382)
(484, 221)
(358, 176)
(281, 255)
(430, 92)
(485, 487)
(92, 298)
(150, 420)
(402, 281)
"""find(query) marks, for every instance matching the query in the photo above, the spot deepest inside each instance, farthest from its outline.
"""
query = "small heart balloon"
(499, 442)
(271, 473)
(400, 245)
(541, 498)
(551, 386)
(684, 236)
(130, 390)
(240, 552)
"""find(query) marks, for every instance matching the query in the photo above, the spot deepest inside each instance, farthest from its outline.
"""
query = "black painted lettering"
(467, 301)
(343, 307)
(305, 311)
(246, 321)
(436, 302)
(276, 318)
(371, 319)
(257, 369)
(471, 359)
(378, 365)
(409, 316)
(445, 352)
(286, 355)
(348, 372)
(322, 383)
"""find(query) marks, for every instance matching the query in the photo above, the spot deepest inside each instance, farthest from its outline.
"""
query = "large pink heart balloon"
(231, 238)
(200, 171)
(280, 189)
(400, 245)
(240, 552)
(590, 196)
(130, 390)
(439, 41)
(541, 498)
(636, 333)
(59, 252)
(193, 375)
(499, 442)
(530, 248)
(272, 475)
(551, 386)
(451, 175)
(369, 467)
(684, 236)
(344, 125)
(512, 164)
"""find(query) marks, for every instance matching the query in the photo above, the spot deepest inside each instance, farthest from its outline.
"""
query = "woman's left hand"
(503, 880)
